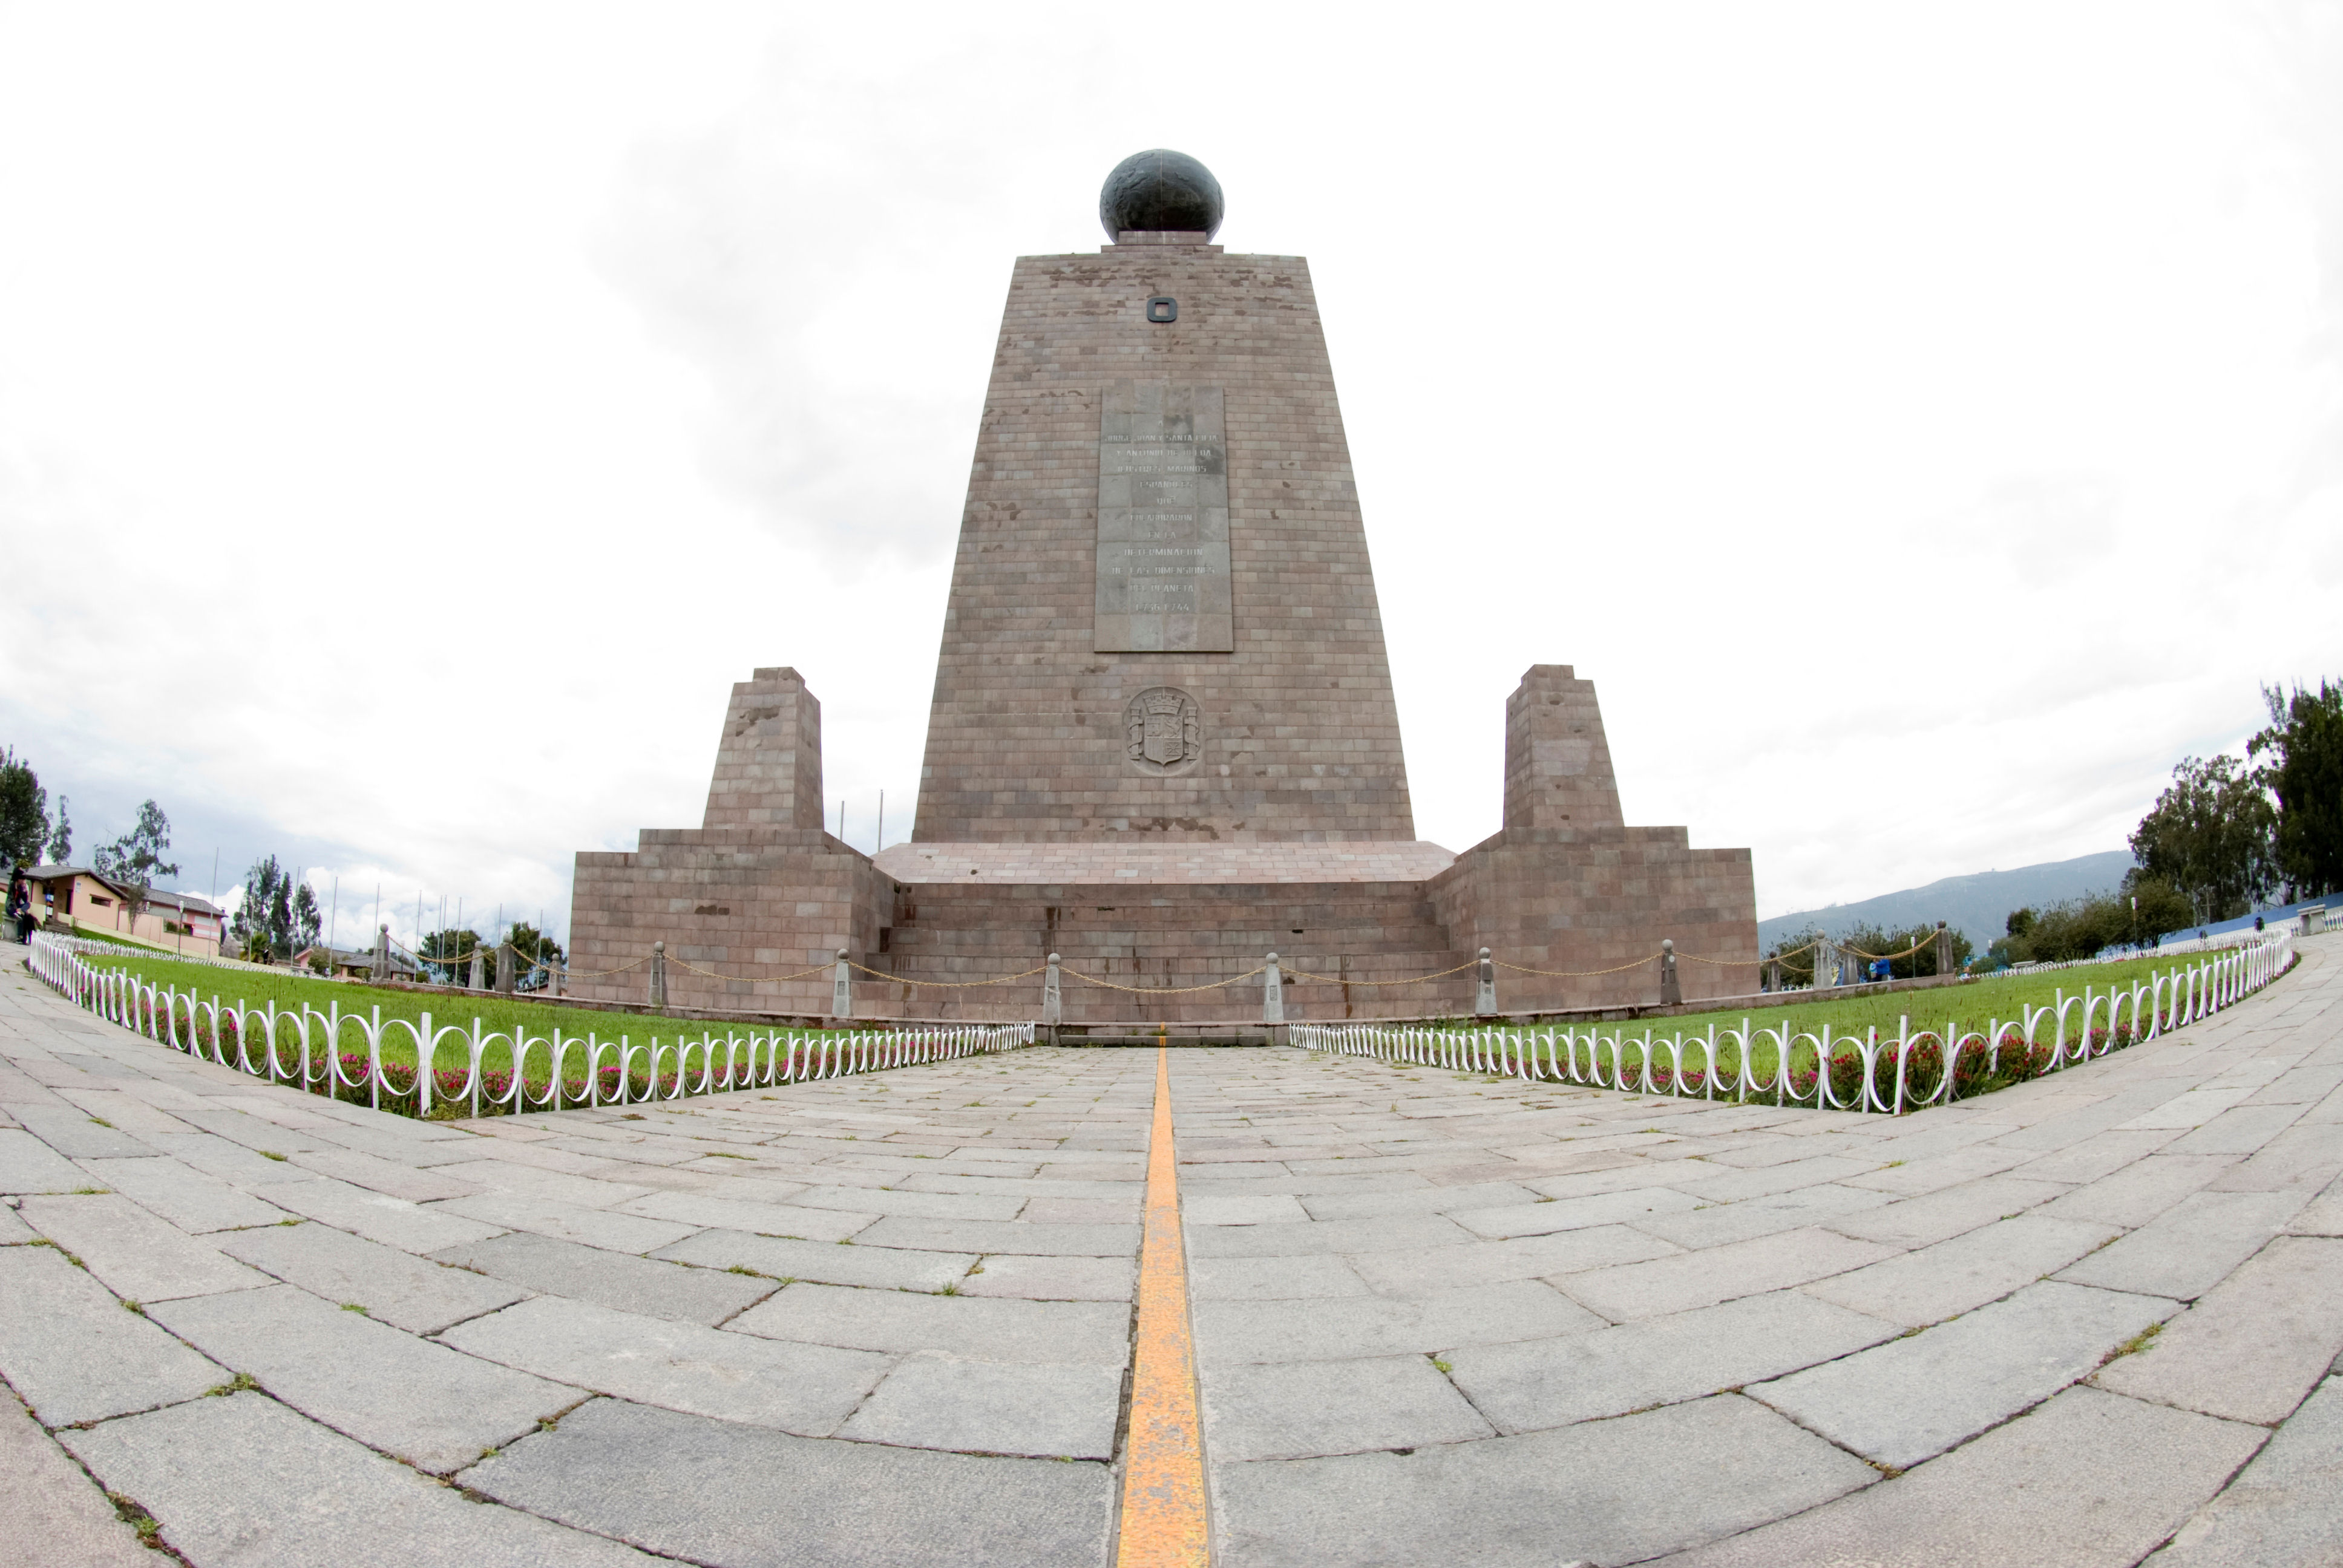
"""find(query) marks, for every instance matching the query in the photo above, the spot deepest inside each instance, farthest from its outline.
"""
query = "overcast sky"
(1921, 422)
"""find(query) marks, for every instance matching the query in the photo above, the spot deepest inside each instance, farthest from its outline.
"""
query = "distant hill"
(1978, 905)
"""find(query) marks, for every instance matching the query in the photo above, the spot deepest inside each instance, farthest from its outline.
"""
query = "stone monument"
(1162, 740)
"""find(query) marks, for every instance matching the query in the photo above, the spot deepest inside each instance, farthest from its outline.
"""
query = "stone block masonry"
(1162, 740)
(1208, 453)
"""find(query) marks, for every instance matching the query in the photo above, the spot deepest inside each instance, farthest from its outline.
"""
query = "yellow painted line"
(1163, 1524)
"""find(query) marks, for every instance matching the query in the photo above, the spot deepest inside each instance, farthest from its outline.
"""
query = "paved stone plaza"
(1439, 1318)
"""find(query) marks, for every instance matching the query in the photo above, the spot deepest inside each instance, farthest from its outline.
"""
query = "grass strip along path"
(311, 1025)
(363, 1044)
(1839, 1055)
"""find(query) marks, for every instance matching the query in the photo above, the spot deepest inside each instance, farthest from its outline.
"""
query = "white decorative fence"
(1908, 1072)
(305, 1047)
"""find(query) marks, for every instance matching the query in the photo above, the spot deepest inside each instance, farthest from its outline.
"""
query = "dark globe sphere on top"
(1160, 189)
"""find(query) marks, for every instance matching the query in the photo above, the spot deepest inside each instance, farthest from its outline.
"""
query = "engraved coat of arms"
(1163, 724)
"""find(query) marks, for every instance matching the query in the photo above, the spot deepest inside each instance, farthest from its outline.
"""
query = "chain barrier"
(935, 984)
(1162, 989)
(1576, 974)
(760, 979)
(1412, 979)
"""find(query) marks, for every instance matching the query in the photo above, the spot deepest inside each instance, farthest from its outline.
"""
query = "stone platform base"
(754, 907)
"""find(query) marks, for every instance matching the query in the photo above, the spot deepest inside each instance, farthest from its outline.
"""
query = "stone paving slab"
(395, 1286)
(524, 1180)
(50, 1515)
(698, 1210)
(14, 1232)
(1278, 1278)
(921, 1235)
(2192, 1246)
(1496, 1263)
(1429, 1200)
(620, 1280)
(134, 1254)
(378, 1217)
(973, 1328)
(1296, 1409)
(1932, 1283)
(352, 1508)
(1395, 1234)
(1702, 1278)
(2141, 1190)
(1538, 1383)
(2088, 1480)
(415, 1183)
(1050, 1279)
(1606, 1491)
(2254, 1345)
(181, 1194)
(840, 1505)
(29, 1165)
(564, 1221)
(71, 1131)
(404, 1396)
(2283, 1507)
(1915, 1397)
(782, 1258)
(1720, 1224)
(231, 1163)
(1065, 1410)
(74, 1352)
(803, 1388)
(1545, 1217)
(1948, 1212)
(1345, 1327)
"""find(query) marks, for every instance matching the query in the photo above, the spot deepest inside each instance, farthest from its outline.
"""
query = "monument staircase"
(1167, 938)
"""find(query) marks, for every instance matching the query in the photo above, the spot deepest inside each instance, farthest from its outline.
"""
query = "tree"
(308, 921)
(1797, 956)
(2211, 835)
(61, 841)
(2144, 909)
(449, 954)
(1869, 940)
(534, 949)
(24, 810)
(263, 925)
(2305, 744)
(135, 860)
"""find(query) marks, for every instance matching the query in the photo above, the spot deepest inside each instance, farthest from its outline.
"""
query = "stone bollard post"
(555, 975)
(1943, 949)
(659, 974)
(1273, 994)
(507, 978)
(381, 955)
(1772, 981)
(1484, 987)
(842, 989)
(1671, 990)
(1825, 963)
(479, 969)
(1053, 1001)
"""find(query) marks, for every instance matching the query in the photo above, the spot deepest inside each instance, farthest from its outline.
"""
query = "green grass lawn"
(1969, 1007)
(497, 1015)
(1973, 1006)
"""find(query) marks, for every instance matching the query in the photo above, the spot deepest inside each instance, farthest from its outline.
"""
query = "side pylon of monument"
(1163, 741)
